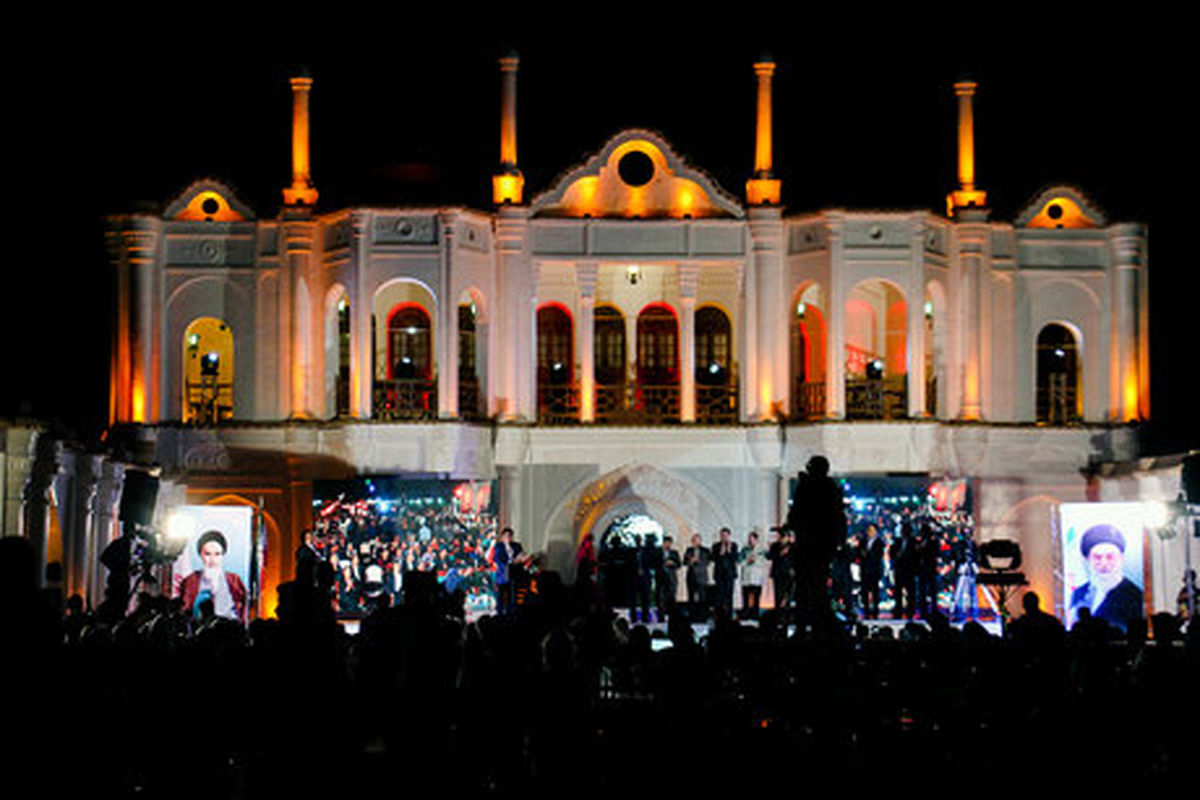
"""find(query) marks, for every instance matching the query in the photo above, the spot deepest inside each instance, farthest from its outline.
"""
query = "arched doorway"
(610, 364)
(807, 355)
(876, 337)
(337, 354)
(657, 395)
(470, 397)
(1058, 399)
(558, 396)
(208, 371)
(409, 391)
(716, 384)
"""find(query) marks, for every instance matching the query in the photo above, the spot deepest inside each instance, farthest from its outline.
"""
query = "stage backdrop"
(1110, 579)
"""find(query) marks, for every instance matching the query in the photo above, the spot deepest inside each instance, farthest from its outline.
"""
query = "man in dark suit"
(508, 557)
(725, 563)
(1108, 594)
(818, 519)
(870, 562)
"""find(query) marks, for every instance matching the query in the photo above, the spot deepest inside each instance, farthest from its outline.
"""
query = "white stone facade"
(314, 312)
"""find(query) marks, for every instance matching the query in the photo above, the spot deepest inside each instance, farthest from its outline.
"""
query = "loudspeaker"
(138, 495)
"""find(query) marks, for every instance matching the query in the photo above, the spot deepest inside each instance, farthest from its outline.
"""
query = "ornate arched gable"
(208, 200)
(636, 175)
(1061, 207)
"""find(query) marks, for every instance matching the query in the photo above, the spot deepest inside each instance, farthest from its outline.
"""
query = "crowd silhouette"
(561, 695)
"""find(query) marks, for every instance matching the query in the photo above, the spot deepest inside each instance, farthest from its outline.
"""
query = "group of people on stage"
(823, 555)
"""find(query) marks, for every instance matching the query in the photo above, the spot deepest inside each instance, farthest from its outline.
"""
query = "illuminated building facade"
(632, 338)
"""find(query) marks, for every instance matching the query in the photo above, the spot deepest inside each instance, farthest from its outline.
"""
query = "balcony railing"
(717, 405)
(208, 401)
(809, 400)
(405, 399)
(881, 398)
(558, 404)
(469, 397)
(655, 405)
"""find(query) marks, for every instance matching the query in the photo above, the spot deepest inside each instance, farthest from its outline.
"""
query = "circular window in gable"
(636, 168)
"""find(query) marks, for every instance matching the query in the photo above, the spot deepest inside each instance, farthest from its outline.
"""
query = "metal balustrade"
(405, 399)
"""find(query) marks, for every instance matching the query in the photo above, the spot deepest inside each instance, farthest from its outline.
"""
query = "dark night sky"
(121, 114)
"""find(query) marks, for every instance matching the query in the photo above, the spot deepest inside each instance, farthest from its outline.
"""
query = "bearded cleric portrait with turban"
(1108, 594)
(213, 582)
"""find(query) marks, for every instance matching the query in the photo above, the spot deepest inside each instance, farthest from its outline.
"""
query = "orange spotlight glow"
(508, 188)
(1131, 398)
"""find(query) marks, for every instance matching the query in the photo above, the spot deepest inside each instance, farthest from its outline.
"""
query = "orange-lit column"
(139, 242)
(972, 238)
(763, 188)
(585, 273)
(689, 276)
(1128, 261)
(301, 191)
(967, 196)
(966, 135)
(508, 183)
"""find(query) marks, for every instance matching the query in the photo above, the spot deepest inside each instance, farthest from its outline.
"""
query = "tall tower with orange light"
(508, 184)
(763, 188)
(967, 201)
(301, 192)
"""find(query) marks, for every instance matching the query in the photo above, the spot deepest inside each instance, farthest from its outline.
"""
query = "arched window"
(1057, 375)
(713, 347)
(466, 341)
(409, 343)
(470, 405)
(207, 371)
(556, 359)
(658, 346)
(610, 346)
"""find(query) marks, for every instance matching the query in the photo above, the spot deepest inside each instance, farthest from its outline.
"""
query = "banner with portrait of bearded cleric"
(1103, 558)
(215, 562)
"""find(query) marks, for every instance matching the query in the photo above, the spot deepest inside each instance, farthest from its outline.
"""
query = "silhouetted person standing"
(818, 519)
(870, 561)
(903, 555)
(725, 563)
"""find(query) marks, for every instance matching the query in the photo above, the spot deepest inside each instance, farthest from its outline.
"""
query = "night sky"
(117, 115)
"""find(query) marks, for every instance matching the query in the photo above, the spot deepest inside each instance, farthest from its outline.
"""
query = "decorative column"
(1126, 245)
(967, 199)
(516, 314)
(301, 192)
(689, 278)
(298, 237)
(508, 183)
(763, 188)
(135, 254)
(915, 340)
(835, 339)
(971, 239)
(585, 277)
(445, 341)
(362, 345)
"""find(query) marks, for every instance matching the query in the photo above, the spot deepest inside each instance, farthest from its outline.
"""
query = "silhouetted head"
(1031, 602)
(818, 466)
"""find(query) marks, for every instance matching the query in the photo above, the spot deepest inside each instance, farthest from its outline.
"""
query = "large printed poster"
(216, 559)
(1103, 547)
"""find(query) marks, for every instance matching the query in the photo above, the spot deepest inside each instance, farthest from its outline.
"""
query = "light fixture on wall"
(632, 273)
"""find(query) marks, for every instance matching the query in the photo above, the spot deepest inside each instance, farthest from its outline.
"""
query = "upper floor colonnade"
(399, 314)
(633, 290)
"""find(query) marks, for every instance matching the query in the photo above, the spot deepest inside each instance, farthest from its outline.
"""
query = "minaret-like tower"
(508, 184)
(763, 188)
(967, 201)
(301, 192)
